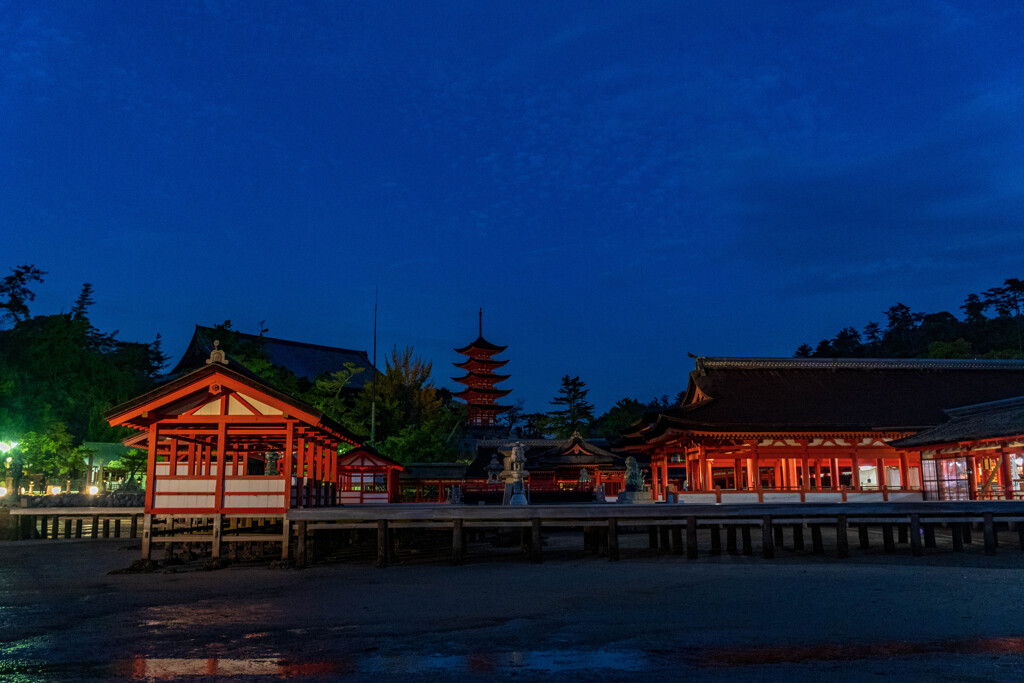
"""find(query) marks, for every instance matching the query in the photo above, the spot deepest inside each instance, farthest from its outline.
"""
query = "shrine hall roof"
(784, 394)
(304, 360)
(973, 423)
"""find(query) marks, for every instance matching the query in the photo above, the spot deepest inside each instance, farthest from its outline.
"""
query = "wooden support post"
(691, 538)
(862, 534)
(842, 543)
(147, 534)
(67, 527)
(652, 537)
(218, 528)
(748, 547)
(117, 528)
(958, 539)
(106, 528)
(990, 534)
(767, 538)
(915, 535)
(965, 530)
(383, 544)
(730, 539)
(588, 544)
(817, 547)
(887, 540)
(929, 535)
(716, 539)
(286, 538)
(613, 538)
(55, 527)
(133, 531)
(779, 541)
(1020, 535)
(301, 554)
(536, 542)
(95, 527)
(798, 537)
(78, 528)
(677, 539)
(663, 542)
(457, 541)
(904, 533)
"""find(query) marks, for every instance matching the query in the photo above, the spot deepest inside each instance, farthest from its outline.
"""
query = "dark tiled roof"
(547, 454)
(971, 423)
(304, 360)
(776, 394)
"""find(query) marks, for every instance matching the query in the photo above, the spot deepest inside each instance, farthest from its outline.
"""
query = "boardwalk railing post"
(147, 535)
(842, 542)
(915, 535)
(929, 535)
(457, 541)
(95, 527)
(767, 538)
(286, 538)
(67, 527)
(383, 544)
(730, 539)
(958, 539)
(748, 546)
(677, 539)
(990, 534)
(133, 532)
(663, 541)
(652, 537)
(218, 528)
(716, 539)
(78, 528)
(691, 538)
(798, 536)
(817, 547)
(887, 540)
(613, 539)
(301, 555)
(535, 542)
(862, 534)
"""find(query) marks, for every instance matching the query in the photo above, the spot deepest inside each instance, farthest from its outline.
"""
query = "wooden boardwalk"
(673, 528)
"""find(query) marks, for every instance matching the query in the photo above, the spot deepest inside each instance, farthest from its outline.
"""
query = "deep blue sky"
(615, 183)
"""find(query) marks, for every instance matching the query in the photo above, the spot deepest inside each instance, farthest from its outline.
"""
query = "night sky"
(616, 184)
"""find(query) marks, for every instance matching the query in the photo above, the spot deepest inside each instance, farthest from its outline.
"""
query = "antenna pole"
(373, 389)
(481, 321)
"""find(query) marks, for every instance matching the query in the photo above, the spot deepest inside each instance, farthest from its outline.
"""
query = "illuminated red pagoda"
(480, 395)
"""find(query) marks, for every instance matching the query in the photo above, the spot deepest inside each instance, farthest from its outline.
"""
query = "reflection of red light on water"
(158, 668)
(480, 663)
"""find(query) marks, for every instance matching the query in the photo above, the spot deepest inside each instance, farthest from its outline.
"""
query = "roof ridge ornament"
(217, 355)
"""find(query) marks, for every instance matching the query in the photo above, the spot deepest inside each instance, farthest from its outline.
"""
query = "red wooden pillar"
(757, 470)
(972, 477)
(855, 470)
(881, 472)
(833, 473)
(288, 466)
(222, 462)
(1006, 472)
(300, 473)
(664, 476)
(904, 471)
(154, 434)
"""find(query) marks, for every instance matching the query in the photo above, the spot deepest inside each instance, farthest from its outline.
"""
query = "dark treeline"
(990, 327)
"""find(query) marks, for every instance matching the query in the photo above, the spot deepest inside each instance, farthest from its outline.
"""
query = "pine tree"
(575, 414)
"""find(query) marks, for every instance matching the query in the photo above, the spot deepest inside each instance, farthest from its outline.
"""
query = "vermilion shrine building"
(222, 441)
(755, 429)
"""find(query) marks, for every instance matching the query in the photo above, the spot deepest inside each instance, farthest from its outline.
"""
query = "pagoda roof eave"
(481, 344)
(483, 361)
(477, 375)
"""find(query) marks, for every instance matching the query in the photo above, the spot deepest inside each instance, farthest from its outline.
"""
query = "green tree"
(619, 417)
(52, 454)
(574, 413)
(15, 289)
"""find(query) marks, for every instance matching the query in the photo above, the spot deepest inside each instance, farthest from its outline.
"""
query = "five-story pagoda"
(480, 395)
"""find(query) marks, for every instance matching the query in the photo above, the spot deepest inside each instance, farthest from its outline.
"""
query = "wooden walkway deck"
(673, 528)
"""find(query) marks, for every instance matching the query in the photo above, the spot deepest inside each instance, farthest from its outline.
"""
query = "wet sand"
(650, 616)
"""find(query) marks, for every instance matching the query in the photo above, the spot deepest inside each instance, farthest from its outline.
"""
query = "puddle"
(839, 652)
(534, 661)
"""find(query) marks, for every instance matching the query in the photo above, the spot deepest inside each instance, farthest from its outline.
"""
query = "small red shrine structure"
(756, 429)
(480, 394)
(222, 441)
(977, 454)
